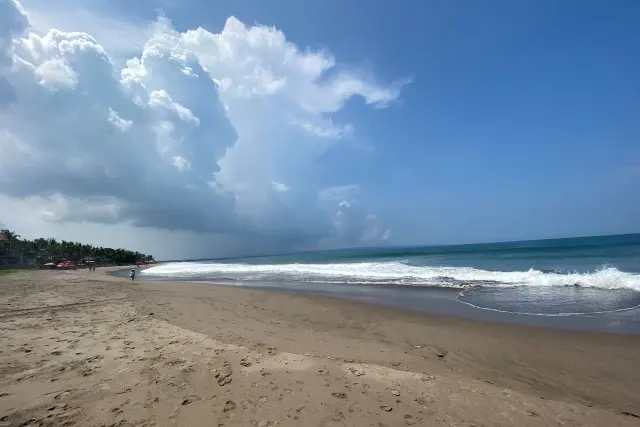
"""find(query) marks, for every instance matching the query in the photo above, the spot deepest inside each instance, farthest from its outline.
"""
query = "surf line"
(461, 294)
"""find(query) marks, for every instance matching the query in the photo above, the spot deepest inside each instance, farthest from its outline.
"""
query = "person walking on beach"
(132, 274)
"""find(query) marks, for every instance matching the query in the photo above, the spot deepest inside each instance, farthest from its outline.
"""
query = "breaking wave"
(393, 272)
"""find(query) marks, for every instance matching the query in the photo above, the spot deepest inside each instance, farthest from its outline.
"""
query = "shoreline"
(153, 353)
(439, 302)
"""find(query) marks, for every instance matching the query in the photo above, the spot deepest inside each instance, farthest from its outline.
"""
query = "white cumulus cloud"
(280, 187)
(119, 122)
(56, 74)
(199, 132)
(181, 163)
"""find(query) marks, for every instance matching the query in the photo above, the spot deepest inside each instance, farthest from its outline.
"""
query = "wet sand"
(88, 349)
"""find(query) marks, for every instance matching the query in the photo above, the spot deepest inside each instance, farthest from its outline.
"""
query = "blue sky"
(512, 119)
(526, 106)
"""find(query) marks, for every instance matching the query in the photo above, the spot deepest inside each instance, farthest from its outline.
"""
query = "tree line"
(52, 250)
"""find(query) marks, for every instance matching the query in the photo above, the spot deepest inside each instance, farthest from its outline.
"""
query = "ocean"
(584, 283)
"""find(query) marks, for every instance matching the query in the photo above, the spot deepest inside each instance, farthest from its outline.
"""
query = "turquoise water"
(558, 277)
(584, 254)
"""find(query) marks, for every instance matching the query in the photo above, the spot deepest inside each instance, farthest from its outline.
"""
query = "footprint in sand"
(230, 405)
(151, 402)
(62, 395)
(224, 378)
(190, 399)
(338, 416)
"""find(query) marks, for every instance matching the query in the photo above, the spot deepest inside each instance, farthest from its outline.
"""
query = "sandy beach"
(90, 349)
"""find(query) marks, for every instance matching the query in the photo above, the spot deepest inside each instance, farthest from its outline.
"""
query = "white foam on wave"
(394, 272)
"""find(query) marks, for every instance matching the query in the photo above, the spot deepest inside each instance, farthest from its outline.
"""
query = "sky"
(217, 128)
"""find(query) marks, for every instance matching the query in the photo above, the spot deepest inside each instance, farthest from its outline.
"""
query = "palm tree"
(52, 250)
(10, 237)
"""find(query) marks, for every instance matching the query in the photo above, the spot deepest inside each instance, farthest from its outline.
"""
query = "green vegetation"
(4, 272)
(14, 250)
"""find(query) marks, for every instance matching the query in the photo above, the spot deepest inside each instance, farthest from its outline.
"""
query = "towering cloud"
(204, 132)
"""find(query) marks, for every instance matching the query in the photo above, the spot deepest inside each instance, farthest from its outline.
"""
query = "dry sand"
(87, 349)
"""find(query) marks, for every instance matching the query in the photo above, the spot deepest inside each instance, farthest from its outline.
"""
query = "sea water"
(595, 277)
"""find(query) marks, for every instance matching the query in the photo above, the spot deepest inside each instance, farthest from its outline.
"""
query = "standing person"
(132, 274)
